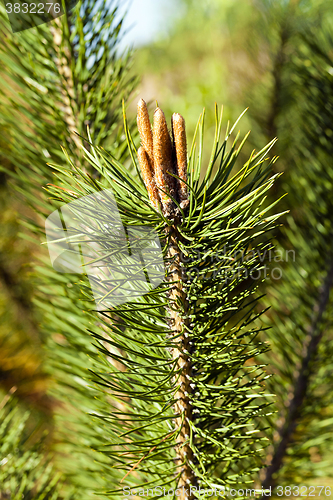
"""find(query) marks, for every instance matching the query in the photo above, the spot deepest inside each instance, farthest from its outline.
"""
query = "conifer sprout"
(148, 177)
(162, 148)
(179, 139)
(145, 131)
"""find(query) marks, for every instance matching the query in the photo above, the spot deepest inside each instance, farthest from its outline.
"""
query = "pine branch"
(188, 396)
(159, 155)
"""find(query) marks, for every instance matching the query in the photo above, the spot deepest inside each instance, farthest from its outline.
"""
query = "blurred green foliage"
(56, 79)
(275, 57)
(232, 53)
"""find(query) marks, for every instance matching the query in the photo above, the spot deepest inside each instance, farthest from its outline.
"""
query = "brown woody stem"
(179, 326)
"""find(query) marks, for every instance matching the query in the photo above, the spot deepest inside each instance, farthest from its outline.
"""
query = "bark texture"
(181, 353)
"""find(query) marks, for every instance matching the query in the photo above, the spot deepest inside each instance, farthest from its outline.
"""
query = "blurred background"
(274, 57)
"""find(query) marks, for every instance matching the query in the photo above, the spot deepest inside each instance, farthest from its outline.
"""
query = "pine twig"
(278, 66)
(157, 175)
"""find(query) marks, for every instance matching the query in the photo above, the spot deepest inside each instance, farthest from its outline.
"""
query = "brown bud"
(145, 131)
(148, 177)
(179, 138)
(162, 149)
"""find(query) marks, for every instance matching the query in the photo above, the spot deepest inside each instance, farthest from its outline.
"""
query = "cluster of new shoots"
(163, 161)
